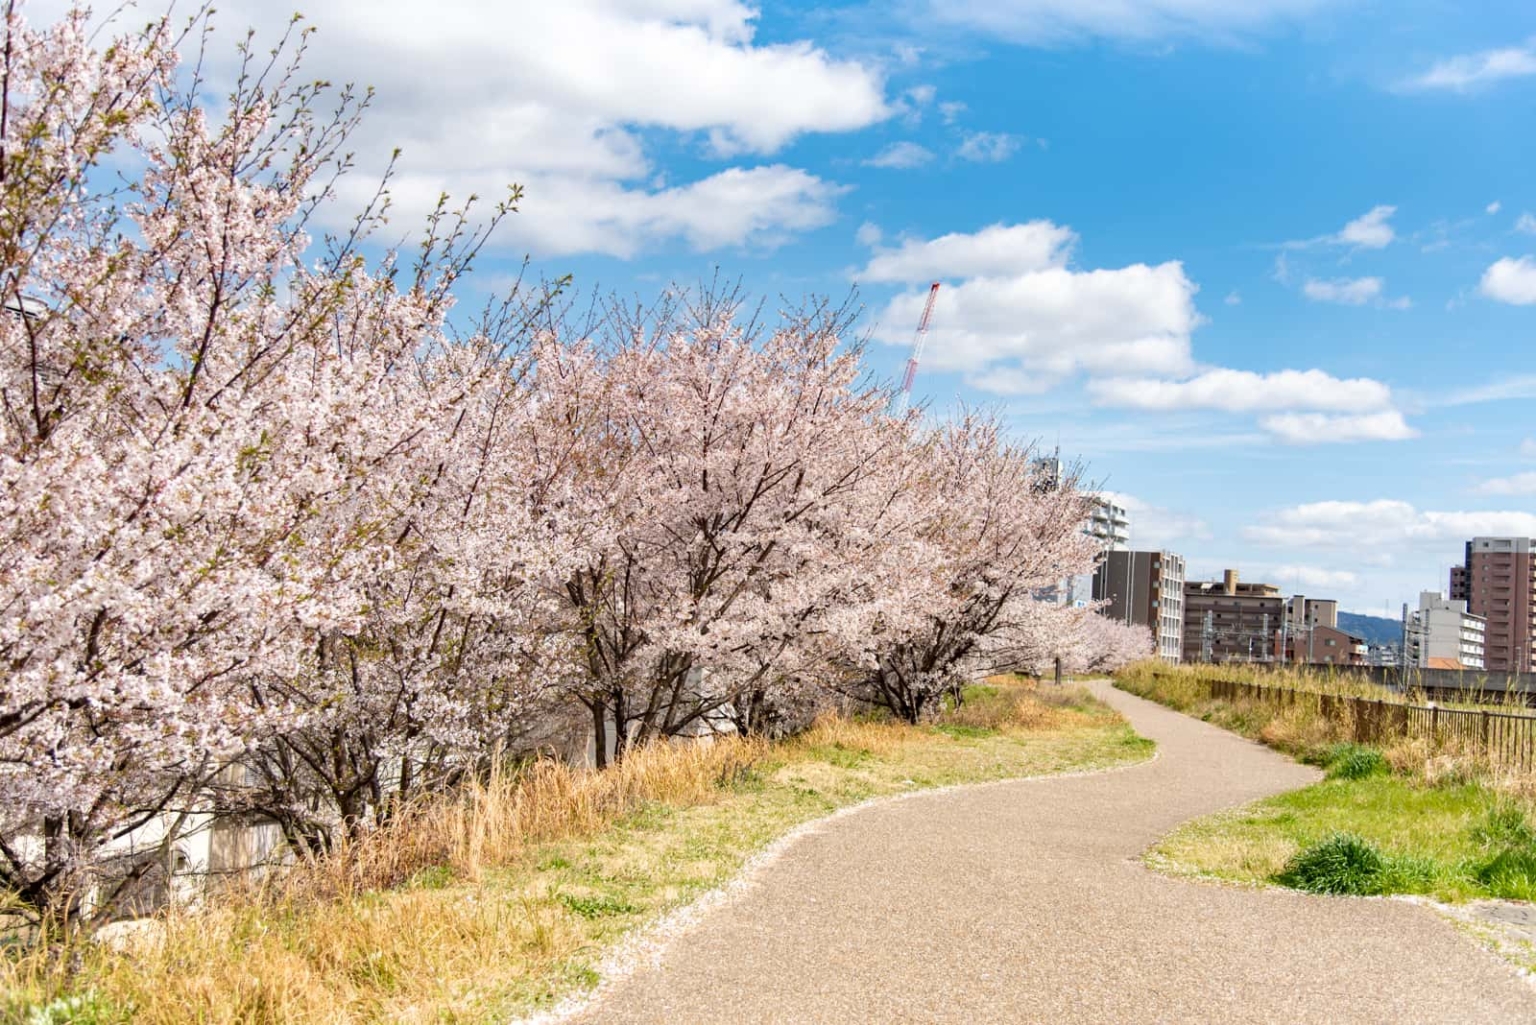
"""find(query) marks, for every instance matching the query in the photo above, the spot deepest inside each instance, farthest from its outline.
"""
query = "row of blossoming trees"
(266, 505)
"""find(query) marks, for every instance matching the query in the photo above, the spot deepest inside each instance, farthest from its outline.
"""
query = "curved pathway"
(1027, 902)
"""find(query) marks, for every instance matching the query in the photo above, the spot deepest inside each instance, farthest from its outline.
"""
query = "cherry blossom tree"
(181, 397)
(990, 538)
(1109, 644)
(285, 533)
(726, 468)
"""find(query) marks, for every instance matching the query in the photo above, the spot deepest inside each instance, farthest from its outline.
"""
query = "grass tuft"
(1340, 863)
(1353, 761)
(1504, 826)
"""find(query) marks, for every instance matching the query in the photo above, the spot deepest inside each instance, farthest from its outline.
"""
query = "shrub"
(1341, 863)
(1352, 761)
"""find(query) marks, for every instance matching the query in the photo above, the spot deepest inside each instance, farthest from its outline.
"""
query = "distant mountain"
(1375, 629)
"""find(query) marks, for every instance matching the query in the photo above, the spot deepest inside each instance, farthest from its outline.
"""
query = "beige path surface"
(1026, 902)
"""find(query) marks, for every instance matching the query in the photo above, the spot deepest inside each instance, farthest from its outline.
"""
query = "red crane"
(917, 350)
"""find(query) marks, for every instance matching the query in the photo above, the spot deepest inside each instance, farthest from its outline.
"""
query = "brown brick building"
(1229, 621)
(1324, 645)
(1498, 582)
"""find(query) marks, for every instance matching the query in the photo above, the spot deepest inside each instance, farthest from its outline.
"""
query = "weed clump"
(1504, 826)
(1511, 870)
(1352, 761)
(1341, 863)
(1510, 874)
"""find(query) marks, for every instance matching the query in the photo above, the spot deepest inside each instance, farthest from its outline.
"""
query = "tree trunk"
(600, 734)
(620, 727)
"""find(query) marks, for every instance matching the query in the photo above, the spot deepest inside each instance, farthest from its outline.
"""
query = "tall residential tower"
(1498, 583)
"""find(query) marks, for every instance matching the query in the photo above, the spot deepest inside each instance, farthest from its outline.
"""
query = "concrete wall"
(1450, 683)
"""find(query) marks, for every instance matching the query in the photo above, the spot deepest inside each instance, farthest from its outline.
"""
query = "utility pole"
(1311, 620)
(1285, 632)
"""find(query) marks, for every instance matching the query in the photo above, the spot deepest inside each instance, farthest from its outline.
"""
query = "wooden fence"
(1505, 738)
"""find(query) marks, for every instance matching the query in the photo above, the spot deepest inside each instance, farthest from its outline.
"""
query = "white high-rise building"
(1108, 522)
(1442, 634)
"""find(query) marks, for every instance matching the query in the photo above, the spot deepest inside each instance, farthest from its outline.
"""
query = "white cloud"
(1511, 281)
(1011, 380)
(901, 155)
(994, 251)
(1054, 21)
(1510, 386)
(760, 206)
(1468, 71)
(1314, 578)
(1233, 299)
(558, 97)
(1494, 207)
(950, 110)
(1384, 523)
(1323, 428)
(988, 147)
(869, 234)
(1370, 230)
(1352, 292)
(1156, 527)
(922, 95)
(1053, 322)
(1526, 223)
(1022, 319)
(1519, 484)
(1528, 448)
(1243, 391)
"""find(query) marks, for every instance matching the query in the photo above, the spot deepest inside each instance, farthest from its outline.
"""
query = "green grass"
(1451, 843)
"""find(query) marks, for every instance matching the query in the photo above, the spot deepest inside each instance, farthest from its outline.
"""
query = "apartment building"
(1442, 634)
(1323, 645)
(1227, 620)
(1108, 523)
(1145, 588)
(1498, 583)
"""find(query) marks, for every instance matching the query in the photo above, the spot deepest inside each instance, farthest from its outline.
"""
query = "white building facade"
(1443, 630)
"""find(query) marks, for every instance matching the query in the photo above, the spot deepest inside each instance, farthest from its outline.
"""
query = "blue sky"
(1268, 267)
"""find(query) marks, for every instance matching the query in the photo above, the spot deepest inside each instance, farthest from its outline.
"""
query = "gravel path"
(1027, 901)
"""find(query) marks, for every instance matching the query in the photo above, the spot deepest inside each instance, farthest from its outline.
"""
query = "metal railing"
(1503, 737)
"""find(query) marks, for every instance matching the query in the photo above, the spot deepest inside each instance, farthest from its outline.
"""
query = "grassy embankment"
(1406, 817)
(504, 900)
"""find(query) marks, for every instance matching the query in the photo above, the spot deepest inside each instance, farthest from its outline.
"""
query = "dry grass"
(1301, 730)
(492, 822)
(499, 900)
(1188, 682)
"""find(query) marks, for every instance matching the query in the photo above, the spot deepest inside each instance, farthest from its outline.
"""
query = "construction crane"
(905, 397)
